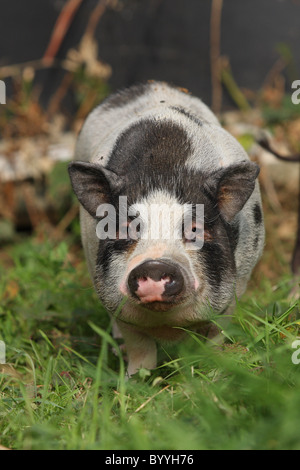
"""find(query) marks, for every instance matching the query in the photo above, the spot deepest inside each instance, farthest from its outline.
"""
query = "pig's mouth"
(157, 285)
(158, 306)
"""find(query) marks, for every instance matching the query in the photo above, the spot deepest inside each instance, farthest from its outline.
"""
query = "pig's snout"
(156, 281)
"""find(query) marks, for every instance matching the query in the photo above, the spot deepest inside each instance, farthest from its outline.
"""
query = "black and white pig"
(157, 145)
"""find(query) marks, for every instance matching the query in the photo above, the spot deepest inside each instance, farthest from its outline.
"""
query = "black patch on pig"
(190, 116)
(150, 155)
(107, 248)
(255, 242)
(233, 232)
(165, 142)
(217, 254)
(257, 214)
(105, 251)
(217, 263)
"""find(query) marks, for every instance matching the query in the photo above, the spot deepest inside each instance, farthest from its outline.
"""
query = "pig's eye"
(196, 231)
(192, 232)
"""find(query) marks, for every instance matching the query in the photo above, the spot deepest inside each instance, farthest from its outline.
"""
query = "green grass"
(64, 388)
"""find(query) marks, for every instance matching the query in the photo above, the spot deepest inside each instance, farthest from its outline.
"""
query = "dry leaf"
(87, 54)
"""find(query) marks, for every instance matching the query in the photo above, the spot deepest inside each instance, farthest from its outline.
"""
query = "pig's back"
(156, 101)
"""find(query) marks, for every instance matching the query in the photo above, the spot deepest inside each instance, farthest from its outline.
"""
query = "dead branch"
(60, 30)
(215, 54)
(264, 143)
(95, 17)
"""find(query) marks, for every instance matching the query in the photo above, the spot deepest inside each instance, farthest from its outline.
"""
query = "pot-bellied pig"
(171, 216)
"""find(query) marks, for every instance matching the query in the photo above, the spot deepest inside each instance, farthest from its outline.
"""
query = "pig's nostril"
(169, 282)
(156, 280)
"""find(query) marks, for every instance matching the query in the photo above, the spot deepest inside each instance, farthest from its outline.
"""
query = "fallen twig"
(60, 29)
(148, 401)
(295, 263)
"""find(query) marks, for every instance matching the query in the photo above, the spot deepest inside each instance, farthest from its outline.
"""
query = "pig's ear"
(92, 184)
(234, 185)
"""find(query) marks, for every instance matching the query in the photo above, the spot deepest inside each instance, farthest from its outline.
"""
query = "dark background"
(159, 39)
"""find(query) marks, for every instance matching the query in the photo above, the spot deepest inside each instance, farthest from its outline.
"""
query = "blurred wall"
(159, 39)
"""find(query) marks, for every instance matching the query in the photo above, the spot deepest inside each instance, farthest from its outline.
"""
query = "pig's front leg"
(140, 348)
